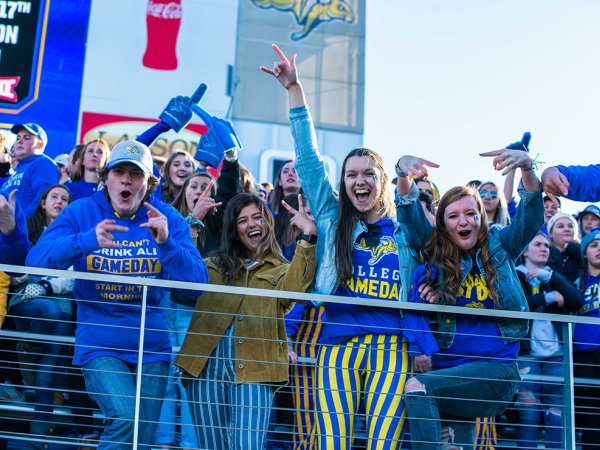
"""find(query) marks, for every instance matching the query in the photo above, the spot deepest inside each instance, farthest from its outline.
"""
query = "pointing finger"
(207, 189)
(301, 206)
(290, 210)
(152, 209)
(267, 70)
(279, 53)
(11, 196)
(429, 163)
(492, 153)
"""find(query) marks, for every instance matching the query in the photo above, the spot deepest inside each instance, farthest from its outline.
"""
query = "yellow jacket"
(261, 352)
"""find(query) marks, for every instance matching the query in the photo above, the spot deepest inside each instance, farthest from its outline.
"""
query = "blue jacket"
(505, 244)
(32, 176)
(323, 203)
(81, 188)
(15, 245)
(584, 181)
(71, 241)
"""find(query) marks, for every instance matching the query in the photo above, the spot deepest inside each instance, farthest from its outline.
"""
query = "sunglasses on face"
(490, 194)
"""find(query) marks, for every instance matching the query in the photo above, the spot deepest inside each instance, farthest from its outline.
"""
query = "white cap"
(132, 152)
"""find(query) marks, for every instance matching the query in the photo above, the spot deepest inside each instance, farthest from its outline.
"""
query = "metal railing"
(10, 409)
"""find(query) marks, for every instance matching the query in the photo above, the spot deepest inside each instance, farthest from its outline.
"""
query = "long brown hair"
(231, 252)
(348, 215)
(169, 190)
(38, 222)
(180, 202)
(442, 252)
(277, 193)
(79, 171)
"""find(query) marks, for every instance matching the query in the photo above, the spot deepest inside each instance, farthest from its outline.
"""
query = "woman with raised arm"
(235, 351)
(468, 264)
(361, 255)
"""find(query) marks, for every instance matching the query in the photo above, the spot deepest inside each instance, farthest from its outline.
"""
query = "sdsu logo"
(386, 246)
(309, 15)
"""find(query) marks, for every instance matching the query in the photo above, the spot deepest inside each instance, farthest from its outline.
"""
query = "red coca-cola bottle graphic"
(163, 19)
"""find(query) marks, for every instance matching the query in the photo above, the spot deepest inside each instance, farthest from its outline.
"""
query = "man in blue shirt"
(34, 172)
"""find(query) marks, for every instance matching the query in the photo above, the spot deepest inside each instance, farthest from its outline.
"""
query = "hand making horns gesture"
(299, 219)
(284, 70)
(205, 203)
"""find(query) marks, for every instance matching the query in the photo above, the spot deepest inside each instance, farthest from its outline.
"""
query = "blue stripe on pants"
(228, 414)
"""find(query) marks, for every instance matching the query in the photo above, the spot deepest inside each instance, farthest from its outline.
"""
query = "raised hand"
(509, 159)
(413, 166)
(299, 219)
(205, 203)
(554, 183)
(284, 70)
(157, 224)
(7, 213)
(104, 234)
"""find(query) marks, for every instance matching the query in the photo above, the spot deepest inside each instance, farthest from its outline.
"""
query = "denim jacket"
(323, 202)
(505, 244)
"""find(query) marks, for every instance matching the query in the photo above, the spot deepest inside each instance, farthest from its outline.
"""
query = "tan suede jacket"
(261, 349)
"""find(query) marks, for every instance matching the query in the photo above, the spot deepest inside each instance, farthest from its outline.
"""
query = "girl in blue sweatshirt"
(469, 265)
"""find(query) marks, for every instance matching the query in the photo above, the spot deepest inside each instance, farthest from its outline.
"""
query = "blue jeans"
(227, 414)
(111, 383)
(178, 319)
(468, 391)
(44, 316)
(537, 397)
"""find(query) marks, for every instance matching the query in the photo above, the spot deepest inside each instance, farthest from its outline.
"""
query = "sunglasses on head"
(491, 194)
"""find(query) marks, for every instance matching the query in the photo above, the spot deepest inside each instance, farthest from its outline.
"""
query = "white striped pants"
(228, 415)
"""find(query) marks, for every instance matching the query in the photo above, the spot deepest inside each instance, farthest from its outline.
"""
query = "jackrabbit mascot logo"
(309, 14)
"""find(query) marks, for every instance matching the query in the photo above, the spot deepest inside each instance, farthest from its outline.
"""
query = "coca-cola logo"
(161, 10)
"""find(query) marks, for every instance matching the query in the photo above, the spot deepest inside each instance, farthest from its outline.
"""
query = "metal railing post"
(569, 389)
(138, 381)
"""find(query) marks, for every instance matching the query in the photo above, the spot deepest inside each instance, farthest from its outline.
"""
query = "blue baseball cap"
(32, 128)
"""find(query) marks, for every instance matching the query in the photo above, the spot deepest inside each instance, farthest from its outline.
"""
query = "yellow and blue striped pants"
(373, 365)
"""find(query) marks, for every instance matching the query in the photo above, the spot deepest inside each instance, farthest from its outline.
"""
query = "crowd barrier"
(15, 413)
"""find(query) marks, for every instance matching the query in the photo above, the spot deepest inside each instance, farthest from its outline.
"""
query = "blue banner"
(42, 54)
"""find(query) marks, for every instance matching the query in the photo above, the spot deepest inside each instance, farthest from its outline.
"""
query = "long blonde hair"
(79, 171)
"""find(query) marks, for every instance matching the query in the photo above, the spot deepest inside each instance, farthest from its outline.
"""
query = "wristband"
(310, 238)
(190, 219)
(399, 171)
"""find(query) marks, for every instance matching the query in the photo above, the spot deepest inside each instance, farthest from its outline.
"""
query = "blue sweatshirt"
(15, 245)
(584, 182)
(32, 176)
(587, 337)
(108, 314)
(81, 189)
(376, 276)
(477, 338)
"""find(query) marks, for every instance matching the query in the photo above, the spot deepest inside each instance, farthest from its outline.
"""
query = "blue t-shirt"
(376, 276)
(587, 337)
(477, 338)
(31, 178)
(81, 189)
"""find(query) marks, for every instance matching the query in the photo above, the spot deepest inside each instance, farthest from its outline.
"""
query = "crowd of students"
(421, 381)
